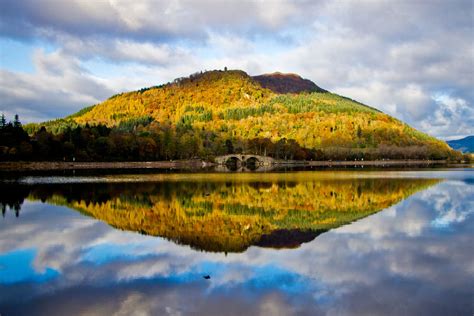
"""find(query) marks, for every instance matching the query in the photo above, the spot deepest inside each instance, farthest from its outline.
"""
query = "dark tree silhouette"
(3, 121)
(16, 122)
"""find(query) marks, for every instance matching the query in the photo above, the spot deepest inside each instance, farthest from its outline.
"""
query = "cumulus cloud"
(451, 117)
(119, 51)
(58, 87)
(145, 19)
(397, 56)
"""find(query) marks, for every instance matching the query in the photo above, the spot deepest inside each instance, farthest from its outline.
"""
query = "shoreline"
(198, 164)
(395, 162)
(62, 165)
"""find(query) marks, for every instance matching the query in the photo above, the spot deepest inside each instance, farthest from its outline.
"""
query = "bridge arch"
(233, 159)
(243, 159)
(252, 160)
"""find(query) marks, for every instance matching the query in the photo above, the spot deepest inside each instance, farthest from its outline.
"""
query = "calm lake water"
(296, 243)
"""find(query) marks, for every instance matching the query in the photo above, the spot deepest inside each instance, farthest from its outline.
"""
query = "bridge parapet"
(244, 159)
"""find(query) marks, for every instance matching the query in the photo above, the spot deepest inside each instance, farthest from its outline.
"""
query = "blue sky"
(411, 59)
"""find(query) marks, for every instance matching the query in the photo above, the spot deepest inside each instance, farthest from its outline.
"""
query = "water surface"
(303, 243)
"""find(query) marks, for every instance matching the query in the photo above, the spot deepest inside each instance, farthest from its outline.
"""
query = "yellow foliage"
(231, 105)
(222, 212)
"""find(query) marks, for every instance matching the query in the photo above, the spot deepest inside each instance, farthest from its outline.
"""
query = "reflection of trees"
(218, 214)
(12, 197)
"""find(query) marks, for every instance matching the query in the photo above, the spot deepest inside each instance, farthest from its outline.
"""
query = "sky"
(413, 59)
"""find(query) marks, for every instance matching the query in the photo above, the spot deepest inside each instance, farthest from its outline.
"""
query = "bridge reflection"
(230, 167)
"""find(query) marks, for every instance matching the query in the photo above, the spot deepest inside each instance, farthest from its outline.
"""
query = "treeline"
(143, 139)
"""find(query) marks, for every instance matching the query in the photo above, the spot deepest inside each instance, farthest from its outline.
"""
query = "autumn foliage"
(218, 212)
(198, 115)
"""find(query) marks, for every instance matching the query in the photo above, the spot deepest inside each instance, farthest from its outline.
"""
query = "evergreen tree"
(16, 122)
(3, 121)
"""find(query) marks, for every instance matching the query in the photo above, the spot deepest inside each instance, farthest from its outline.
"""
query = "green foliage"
(240, 113)
(150, 88)
(55, 126)
(133, 123)
(320, 102)
(81, 112)
(239, 209)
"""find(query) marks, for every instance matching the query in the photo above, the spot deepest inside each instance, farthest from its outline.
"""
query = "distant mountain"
(282, 115)
(466, 144)
(287, 83)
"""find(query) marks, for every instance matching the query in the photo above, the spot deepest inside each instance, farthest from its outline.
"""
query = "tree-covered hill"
(217, 112)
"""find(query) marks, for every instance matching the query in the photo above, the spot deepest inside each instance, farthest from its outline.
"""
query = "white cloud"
(58, 87)
(450, 117)
(392, 55)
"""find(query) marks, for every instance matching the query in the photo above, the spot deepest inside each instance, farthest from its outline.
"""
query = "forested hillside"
(219, 112)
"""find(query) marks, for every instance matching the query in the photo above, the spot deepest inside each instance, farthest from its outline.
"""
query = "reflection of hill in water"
(222, 213)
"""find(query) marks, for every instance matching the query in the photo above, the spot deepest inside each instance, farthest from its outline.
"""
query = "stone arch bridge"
(241, 159)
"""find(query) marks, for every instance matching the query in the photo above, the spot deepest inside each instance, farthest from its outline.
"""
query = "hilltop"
(287, 83)
(466, 144)
(217, 112)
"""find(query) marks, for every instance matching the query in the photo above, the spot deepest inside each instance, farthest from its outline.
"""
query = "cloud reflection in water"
(413, 258)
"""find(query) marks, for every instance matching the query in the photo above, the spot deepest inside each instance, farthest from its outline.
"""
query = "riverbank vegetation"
(148, 141)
